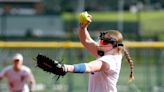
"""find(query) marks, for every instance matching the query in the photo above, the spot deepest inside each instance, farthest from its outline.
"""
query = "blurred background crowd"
(52, 7)
(50, 18)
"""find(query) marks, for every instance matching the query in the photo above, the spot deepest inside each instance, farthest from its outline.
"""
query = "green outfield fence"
(148, 70)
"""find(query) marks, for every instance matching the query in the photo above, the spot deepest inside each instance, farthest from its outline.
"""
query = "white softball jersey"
(17, 81)
(105, 81)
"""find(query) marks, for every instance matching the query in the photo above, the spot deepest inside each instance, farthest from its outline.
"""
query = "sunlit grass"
(152, 22)
(114, 16)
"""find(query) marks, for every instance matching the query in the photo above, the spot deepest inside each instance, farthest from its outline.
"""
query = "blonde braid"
(130, 61)
(118, 36)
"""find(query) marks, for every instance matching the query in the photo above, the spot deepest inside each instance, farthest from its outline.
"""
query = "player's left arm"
(60, 69)
(31, 81)
(31, 85)
(93, 66)
(1, 78)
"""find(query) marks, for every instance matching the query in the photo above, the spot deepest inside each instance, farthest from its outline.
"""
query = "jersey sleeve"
(30, 75)
(3, 73)
(108, 59)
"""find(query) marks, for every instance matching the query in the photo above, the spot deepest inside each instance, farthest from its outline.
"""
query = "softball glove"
(51, 66)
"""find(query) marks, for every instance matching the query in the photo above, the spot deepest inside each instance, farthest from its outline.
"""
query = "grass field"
(78, 82)
(151, 21)
(144, 77)
(147, 70)
(113, 16)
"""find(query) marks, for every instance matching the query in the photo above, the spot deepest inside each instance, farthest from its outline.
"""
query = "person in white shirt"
(104, 70)
(19, 76)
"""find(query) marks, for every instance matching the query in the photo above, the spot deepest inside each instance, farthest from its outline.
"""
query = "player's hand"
(85, 20)
(83, 26)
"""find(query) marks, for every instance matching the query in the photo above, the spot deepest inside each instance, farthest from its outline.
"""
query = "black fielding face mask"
(100, 53)
(110, 40)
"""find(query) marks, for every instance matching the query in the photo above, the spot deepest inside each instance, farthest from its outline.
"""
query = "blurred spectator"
(39, 8)
(7, 9)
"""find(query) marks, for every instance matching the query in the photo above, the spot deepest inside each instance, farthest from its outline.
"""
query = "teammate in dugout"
(19, 76)
(109, 51)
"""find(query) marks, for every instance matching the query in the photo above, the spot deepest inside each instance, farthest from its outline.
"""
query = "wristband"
(79, 68)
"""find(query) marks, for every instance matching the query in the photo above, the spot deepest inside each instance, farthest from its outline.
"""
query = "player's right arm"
(86, 39)
(1, 78)
(3, 73)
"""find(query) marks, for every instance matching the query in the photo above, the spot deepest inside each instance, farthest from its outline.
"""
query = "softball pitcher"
(104, 71)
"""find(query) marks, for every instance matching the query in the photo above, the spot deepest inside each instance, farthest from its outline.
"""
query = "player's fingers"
(84, 25)
(90, 18)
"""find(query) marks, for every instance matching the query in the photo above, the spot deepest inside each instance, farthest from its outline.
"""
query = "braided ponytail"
(130, 61)
(121, 49)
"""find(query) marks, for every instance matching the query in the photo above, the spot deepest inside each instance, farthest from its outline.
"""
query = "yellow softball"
(85, 17)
